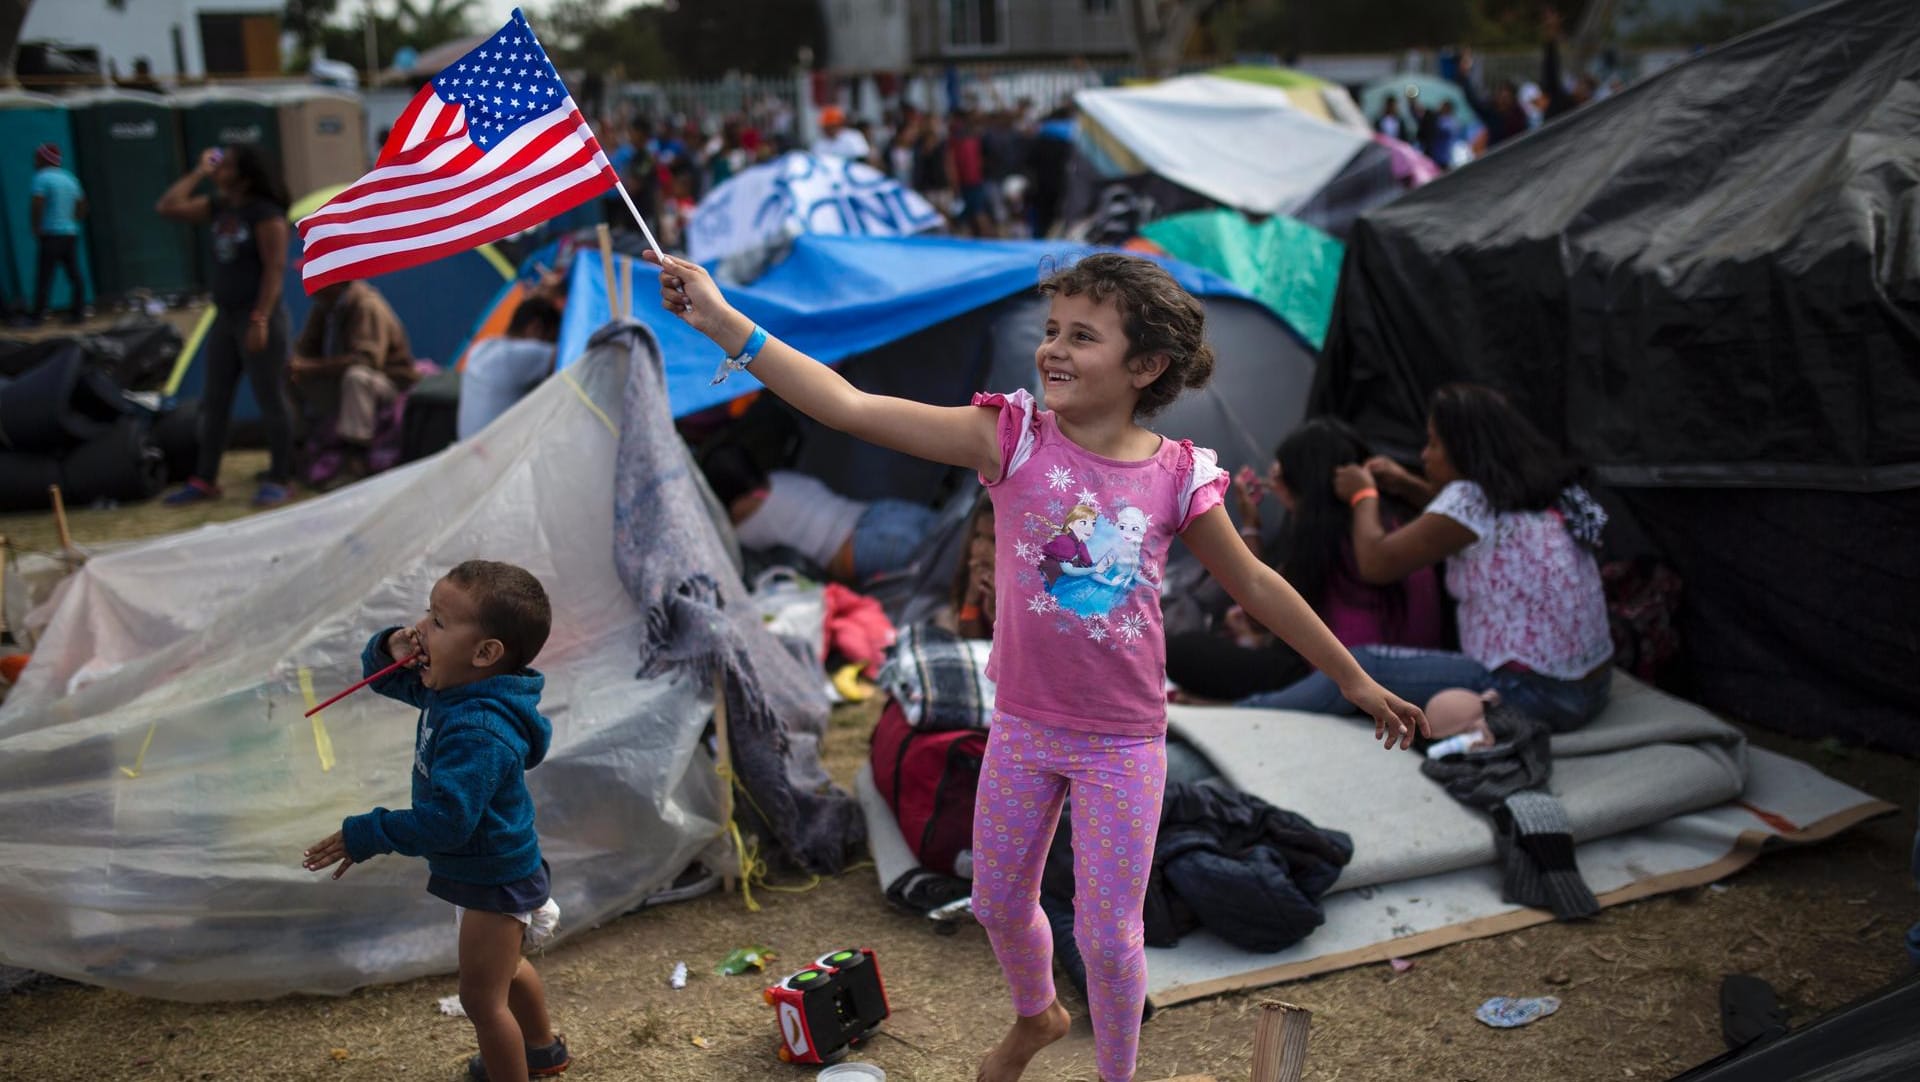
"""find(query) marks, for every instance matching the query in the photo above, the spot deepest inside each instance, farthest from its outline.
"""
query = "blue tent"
(836, 297)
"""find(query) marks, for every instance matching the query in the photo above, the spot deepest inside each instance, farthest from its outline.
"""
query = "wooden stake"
(623, 268)
(60, 522)
(606, 267)
(726, 765)
(6, 632)
(1280, 1042)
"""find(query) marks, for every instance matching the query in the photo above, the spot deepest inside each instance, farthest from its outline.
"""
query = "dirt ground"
(1639, 984)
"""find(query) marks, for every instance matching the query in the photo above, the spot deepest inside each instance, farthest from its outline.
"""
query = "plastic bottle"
(1454, 745)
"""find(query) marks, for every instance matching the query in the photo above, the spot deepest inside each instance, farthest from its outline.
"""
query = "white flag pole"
(621, 187)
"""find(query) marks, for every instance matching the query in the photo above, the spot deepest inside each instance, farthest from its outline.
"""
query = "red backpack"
(928, 779)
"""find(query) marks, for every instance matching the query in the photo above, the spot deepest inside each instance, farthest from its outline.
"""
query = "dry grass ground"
(1639, 984)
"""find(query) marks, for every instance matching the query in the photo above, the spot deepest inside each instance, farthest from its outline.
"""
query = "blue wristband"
(756, 342)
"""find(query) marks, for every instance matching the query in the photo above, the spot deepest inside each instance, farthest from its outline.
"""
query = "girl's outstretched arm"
(956, 435)
(1270, 599)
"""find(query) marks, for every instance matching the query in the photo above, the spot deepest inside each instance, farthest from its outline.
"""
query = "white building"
(178, 38)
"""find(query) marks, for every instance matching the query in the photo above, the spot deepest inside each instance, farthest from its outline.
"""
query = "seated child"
(479, 731)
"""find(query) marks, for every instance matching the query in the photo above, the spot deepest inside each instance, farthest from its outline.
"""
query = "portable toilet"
(127, 153)
(225, 116)
(26, 121)
(323, 137)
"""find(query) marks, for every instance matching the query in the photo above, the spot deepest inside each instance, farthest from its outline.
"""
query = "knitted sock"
(1542, 846)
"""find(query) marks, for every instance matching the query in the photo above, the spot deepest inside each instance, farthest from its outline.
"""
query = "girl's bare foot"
(1009, 1059)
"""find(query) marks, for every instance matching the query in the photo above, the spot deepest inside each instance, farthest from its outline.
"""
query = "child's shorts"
(525, 900)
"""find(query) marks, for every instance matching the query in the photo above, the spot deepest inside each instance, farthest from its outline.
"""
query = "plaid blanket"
(939, 679)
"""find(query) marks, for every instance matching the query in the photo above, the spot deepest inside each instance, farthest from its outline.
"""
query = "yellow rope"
(752, 868)
(567, 378)
(139, 761)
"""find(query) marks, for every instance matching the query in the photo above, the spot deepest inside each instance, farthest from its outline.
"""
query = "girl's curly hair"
(1158, 315)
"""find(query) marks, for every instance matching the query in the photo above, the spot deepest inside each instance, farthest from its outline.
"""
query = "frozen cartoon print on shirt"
(1067, 553)
(1088, 545)
(1117, 571)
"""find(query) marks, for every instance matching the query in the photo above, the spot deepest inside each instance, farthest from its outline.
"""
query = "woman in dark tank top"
(248, 234)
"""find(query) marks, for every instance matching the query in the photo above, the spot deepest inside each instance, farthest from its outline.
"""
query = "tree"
(434, 22)
(709, 38)
(1160, 29)
(586, 35)
(13, 15)
(307, 20)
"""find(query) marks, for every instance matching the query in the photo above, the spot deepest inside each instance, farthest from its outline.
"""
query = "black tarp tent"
(1707, 286)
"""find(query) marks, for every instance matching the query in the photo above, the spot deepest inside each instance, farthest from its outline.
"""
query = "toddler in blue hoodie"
(479, 732)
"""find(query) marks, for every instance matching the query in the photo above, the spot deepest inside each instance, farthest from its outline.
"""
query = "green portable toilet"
(127, 153)
(224, 116)
(26, 121)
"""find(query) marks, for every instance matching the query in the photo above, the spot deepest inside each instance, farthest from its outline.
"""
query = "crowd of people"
(1499, 112)
(994, 171)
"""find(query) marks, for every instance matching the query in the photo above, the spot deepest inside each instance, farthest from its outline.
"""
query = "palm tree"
(429, 23)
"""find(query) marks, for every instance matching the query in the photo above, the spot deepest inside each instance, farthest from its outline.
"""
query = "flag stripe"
(450, 122)
(352, 206)
(423, 221)
(405, 123)
(446, 167)
(557, 194)
(423, 122)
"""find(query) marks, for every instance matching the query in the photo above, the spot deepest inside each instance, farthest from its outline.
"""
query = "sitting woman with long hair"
(1513, 522)
(1315, 553)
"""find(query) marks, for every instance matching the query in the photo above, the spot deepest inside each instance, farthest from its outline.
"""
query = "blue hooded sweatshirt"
(472, 817)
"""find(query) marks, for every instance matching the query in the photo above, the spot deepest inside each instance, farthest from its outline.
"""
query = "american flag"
(491, 146)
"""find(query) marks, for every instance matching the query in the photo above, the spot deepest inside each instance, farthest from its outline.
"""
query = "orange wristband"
(1363, 494)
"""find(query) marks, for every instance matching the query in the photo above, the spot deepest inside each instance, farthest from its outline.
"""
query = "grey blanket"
(670, 555)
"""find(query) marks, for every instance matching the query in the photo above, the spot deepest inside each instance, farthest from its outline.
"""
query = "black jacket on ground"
(1225, 861)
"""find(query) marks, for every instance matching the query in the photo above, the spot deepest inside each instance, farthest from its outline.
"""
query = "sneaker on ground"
(194, 491)
(541, 1062)
(272, 494)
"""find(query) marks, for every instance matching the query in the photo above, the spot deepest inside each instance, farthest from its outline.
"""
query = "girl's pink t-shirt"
(1360, 614)
(1078, 642)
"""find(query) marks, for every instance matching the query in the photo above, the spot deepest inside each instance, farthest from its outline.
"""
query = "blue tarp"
(835, 297)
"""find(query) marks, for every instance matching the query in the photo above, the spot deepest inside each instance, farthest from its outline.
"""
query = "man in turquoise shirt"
(58, 206)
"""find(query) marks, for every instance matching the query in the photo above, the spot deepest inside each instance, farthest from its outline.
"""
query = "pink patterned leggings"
(1116, 783)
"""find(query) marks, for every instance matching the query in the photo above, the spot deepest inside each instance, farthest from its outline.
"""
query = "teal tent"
(1430, 89)
(1289, 266)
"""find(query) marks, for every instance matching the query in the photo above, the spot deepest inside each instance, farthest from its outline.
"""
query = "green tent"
(1316, 96)
(1284, 78)
(1290, 266)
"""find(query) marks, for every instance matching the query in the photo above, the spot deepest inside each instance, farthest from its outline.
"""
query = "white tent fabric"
(158, 782)
(803, 193)
(1245, 145)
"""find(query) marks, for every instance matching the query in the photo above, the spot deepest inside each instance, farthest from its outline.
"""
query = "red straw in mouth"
(403, 661)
